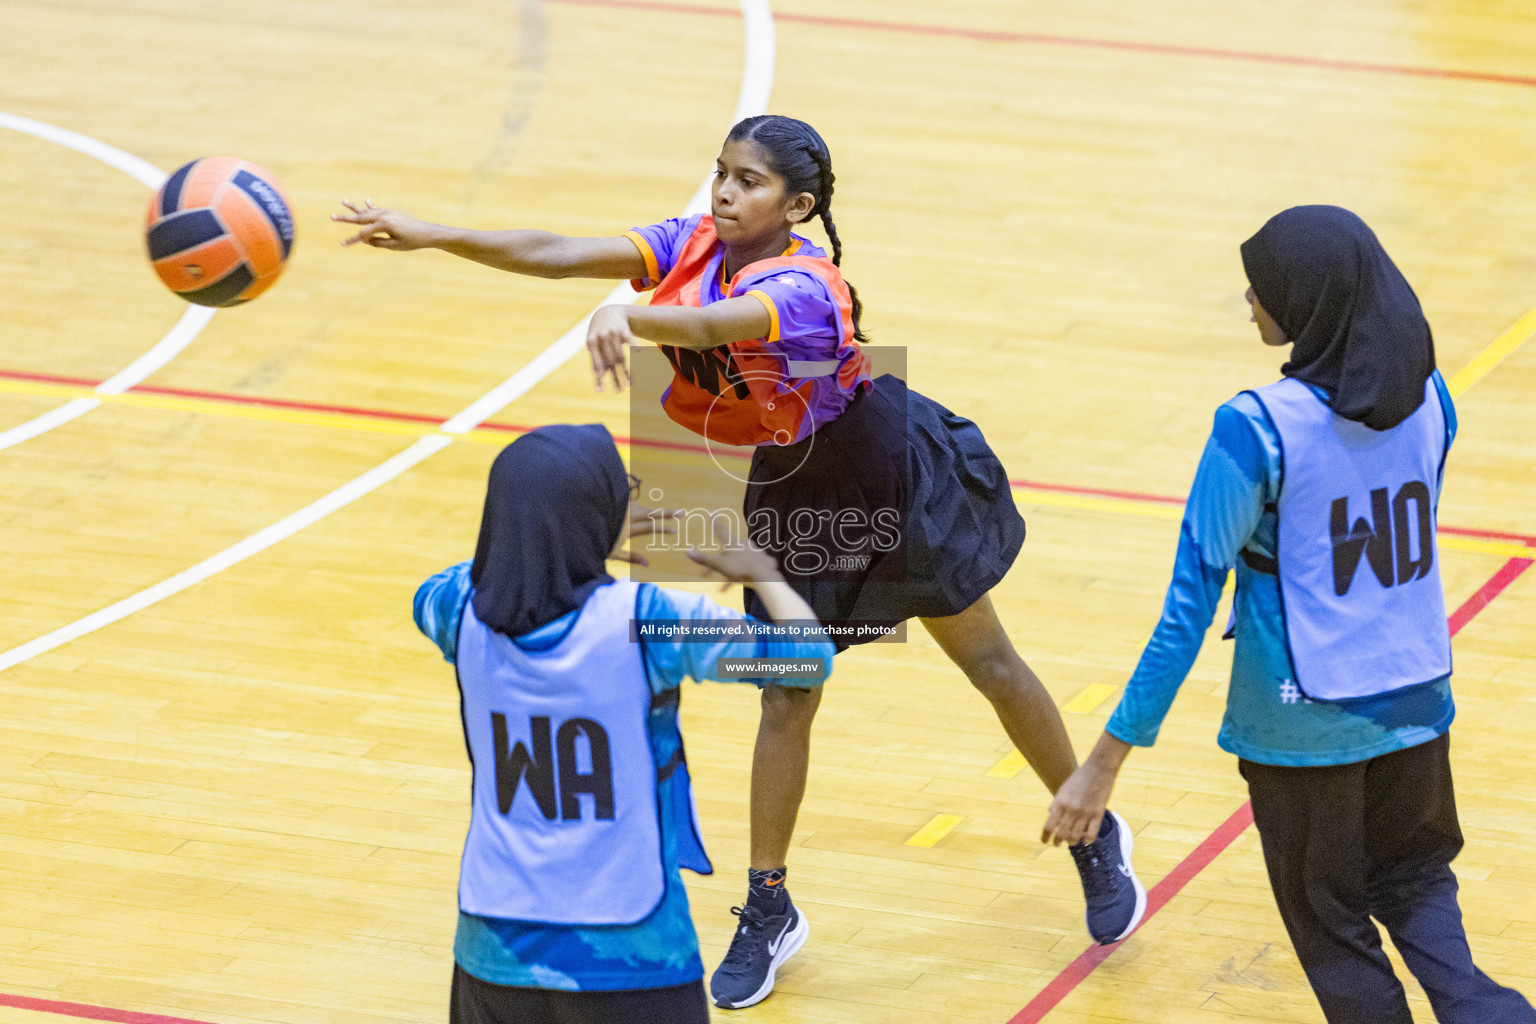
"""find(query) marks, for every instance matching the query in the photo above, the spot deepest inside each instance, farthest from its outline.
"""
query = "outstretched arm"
(534, 253)
(671, 658)
(754, 568)
(614, 328)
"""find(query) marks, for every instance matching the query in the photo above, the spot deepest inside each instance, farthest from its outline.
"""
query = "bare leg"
(975, 641)
(779, 765)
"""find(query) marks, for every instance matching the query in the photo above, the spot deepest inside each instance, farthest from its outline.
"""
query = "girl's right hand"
(746, 565)
(757, 569)
(385, 229)
(608, 339)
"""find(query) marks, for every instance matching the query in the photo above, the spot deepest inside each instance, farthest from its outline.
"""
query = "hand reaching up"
(642, 521)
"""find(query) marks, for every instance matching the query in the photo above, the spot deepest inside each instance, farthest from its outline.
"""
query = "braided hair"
(799, 155)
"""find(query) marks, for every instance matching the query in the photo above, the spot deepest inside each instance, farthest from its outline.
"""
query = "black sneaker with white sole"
(1116, 898)
(758, 949)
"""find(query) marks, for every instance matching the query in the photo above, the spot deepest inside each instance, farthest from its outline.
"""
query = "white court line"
(140, 170)
(756, 85)
(176, 339)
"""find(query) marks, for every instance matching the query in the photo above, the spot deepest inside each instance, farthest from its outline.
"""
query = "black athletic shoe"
(1116, 898)
(761, 945)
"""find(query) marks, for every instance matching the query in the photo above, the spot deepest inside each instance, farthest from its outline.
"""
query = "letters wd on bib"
(1352, 637)
(1321, 490)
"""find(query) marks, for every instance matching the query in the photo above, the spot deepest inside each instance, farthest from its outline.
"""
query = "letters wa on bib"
(565, 824)
(581, 810)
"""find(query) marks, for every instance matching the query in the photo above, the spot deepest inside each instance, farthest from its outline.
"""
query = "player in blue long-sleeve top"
(572, 908)
(1321, 490)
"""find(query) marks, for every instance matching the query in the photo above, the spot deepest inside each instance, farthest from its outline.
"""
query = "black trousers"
(1348, 843)
(479, 1002)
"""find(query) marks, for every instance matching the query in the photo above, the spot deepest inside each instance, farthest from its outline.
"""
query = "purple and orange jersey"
(777, 389)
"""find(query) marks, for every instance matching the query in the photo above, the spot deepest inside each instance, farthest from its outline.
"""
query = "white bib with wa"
(564, 827)
(1357, 559)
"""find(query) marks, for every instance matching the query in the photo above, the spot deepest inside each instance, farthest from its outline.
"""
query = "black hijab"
(557, 500)
(1359, 333)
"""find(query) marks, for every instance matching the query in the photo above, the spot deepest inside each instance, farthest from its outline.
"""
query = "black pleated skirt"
(924, 474)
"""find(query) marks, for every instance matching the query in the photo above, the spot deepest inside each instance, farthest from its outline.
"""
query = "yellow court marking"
(1012, 763)
(1089, 503)
(939, 826)
(27, 387)
(1090, 697)
(1488, 358)
(1084, 701)
(1505, 548)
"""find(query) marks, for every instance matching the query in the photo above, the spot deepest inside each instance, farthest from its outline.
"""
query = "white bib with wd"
(1357, 560)
(564, 827)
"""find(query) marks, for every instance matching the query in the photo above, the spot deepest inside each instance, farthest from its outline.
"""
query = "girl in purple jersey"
(739, 290)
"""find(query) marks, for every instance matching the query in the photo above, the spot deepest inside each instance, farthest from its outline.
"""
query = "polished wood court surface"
(245, 802)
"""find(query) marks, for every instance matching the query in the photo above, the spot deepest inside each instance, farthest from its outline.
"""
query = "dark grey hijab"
(557, 499)
(1358, 330)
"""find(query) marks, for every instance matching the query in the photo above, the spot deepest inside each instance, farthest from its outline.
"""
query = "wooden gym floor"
(245, 801)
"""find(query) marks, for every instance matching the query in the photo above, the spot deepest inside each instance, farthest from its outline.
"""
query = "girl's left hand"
(608, 339)
(642, 521)
(1081, 801)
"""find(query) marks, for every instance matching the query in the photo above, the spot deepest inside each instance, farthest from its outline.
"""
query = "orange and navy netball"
(219, 231)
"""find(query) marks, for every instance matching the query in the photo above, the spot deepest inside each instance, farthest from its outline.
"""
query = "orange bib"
(751, 392)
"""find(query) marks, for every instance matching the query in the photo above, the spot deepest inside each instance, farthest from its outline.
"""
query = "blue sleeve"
(1448, 405)
(1237, 476)
(1450, 425)
(669, 661)
(439, 607)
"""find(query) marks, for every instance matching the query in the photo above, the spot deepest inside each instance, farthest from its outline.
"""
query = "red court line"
(253, 400)
(1096, 492)
(1225, 835)
(1059, 988)
(348, 410)
(89, 1012)
(1157, 898)
(1490, 590)
(285, 403)
(519, 428)
(1081, 42)
(1463, 531)
(1164, 499)
(49, 378)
